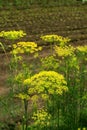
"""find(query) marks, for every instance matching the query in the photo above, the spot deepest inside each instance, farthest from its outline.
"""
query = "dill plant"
(10, 35)
(71, 62)
(81, 52)
(74, 69)
(49, 85)
(18, 49)
(19, 70)
(70, 69)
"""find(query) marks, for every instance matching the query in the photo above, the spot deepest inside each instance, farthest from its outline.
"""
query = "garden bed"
(65, 21)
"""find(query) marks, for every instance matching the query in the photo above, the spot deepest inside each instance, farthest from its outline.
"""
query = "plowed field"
(70, 21)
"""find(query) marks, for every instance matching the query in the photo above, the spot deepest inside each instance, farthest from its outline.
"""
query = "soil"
(70, 21)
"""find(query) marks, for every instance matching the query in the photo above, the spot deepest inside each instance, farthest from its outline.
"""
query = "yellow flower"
(50, 38)
(25, 47)
(41, 118)
(84, 128)
(12, 35)
(51, 91)
(23, 96)
(55, 38)
(44, 96)
(47, 82)
(64, 51)
(50, 63)
(14, 46)
(34, 98)
(82, 49)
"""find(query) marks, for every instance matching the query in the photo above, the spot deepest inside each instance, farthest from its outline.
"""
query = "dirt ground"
(66, 21)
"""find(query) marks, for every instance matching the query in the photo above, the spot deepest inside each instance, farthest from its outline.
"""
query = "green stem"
(26, 113)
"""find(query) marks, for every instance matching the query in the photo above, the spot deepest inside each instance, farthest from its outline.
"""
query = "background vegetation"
(28, 3)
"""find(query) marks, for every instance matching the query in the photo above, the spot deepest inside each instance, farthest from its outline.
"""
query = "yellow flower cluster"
(82, 128)
(45, 96)
(64, 51)
(50, 38)
(41, 118)
(55, 38)
(19, 78)
(34, 98)
(82, 49)
(25, 47)
(23, 96)
(47, 82)
(49, 63)
(12, 35)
